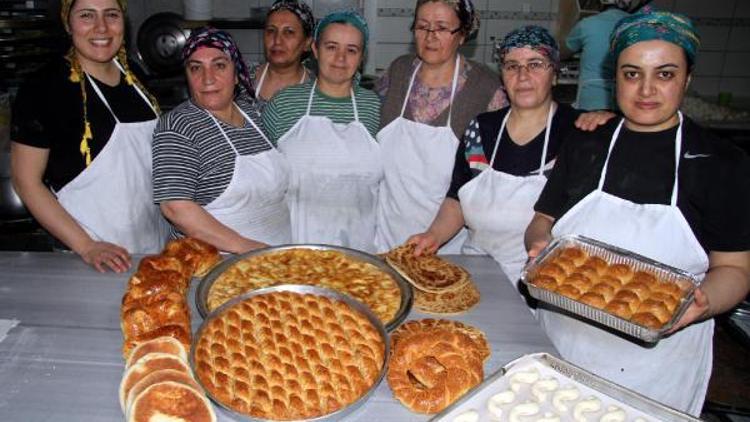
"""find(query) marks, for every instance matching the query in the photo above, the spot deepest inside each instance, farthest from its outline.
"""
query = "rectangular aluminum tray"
(302, 289)
(612, 255)
(201, 294)
(607, 391)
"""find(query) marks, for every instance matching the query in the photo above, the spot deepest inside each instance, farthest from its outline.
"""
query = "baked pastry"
(327, 268)
(593, 299)
(420, 325)
(427, 272)
(546, 282)
(430, 370)
(570, 291)
(146, 365)
(621, 271)
(619, 308)
(566, 264)
(288, 356)
(179, 332)
(168, 345)
(577, 255)
(447, 303)
(157, 377)
(596, 263)
(553, 270)
(170, 401)
(137, 321)
(200, 257)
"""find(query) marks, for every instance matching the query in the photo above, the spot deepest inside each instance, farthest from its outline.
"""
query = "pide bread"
(638, 296)
(157, 377)
(288, 356)
(168, 345)
(149, 363)
(170, 401)
(326, 268)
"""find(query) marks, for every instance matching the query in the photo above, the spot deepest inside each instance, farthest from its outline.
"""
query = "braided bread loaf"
(638, 296)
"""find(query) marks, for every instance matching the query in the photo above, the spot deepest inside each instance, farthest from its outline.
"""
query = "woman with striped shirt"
(326, 131)
(217, 177)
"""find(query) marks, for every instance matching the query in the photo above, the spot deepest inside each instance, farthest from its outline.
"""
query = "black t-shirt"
(48, 113)
(714, 178)
(518, 160)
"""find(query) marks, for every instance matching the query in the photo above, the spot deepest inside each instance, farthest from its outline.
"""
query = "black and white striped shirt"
(192, 159)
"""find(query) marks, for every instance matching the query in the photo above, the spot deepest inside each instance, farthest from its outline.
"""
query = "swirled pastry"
(287, 356)
(427, 272)
(421, 325)
(430, 370)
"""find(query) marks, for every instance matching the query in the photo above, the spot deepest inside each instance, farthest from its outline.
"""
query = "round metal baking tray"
(201, 295)
(301, 289)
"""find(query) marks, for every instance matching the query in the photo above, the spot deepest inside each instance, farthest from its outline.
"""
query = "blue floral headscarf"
(214, 38)
(349, 16)
(649, 24)
(533, 37)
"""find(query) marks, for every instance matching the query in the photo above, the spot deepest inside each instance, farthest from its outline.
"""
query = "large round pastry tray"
(301, 289)
(201, 295)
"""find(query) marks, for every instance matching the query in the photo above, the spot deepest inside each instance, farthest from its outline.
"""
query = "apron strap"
(253, 124)
(226, 137)
(104, 100)
(354, 105)
(262, 79)
(547, 130)
(411, 84)
(453, 89)
(677, 149)
(310, 99)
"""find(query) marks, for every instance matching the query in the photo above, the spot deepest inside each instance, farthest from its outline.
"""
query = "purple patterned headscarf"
(300, 9)
(531, 36)
(214, 38)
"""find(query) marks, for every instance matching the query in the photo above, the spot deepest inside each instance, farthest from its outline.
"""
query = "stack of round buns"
(638, 296)
(288, 356)
(440, 287)
(435, 362)
(155, 320)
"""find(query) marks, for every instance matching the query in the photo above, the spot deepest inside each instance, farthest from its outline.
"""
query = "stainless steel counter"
(63, 363)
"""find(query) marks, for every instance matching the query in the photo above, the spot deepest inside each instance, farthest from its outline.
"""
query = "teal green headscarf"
(348, 16)
(649, 24)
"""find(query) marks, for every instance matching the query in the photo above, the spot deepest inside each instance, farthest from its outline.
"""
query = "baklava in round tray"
(362, 276)
(290, 352)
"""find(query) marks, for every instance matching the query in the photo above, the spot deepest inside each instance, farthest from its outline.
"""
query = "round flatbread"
(447, 303)
(427, 272)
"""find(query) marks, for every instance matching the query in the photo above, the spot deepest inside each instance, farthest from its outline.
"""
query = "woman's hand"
(697, 311)
(251, 245)
(593, 119)
(538, 234)
(425, 243)
(105, 255)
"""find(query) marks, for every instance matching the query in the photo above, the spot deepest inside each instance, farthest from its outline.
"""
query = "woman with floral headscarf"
(81, 151)
(326, 128)
(286, 41)
(665, 188)
(428, 100)
(217, 176)
(500, 166)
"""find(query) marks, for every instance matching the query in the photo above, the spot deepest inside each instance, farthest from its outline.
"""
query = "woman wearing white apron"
(286, 42)
(100, 168)
(217, 176)
(428, 100)
(496, 201)
(661, 187)
(335, 168)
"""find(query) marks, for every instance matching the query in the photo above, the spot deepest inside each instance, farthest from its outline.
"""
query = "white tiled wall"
(724, 25)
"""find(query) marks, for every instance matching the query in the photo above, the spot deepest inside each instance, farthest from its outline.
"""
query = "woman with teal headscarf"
(658, 184)
(326, 129)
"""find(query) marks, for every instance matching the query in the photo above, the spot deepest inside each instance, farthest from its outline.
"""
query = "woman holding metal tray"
(659, 185)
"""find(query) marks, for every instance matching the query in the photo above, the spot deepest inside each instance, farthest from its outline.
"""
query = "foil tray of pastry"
(290, 352)
(541, 387)
(362, 276)
(611, 286)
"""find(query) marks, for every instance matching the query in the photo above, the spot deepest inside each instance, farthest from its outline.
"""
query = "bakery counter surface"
(62, 361)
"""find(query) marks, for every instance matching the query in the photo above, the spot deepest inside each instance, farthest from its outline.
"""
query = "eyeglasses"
(439, 31)
(534, 66)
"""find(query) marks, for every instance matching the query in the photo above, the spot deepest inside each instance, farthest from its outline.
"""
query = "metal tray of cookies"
(302, 289)
(613, 255)
(571, 378)
(407, 295)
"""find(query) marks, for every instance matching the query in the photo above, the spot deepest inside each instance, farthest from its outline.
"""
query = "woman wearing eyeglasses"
(501, 164)
(428, 100)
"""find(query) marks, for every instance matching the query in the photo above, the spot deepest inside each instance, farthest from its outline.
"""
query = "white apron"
(263, 79)
(497, 206)
(253, 203)
(418, 172)
(335, 173)
(112, 199)
(675, 371)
